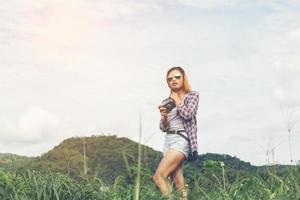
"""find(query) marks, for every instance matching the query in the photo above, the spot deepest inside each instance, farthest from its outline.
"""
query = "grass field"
(47, 185)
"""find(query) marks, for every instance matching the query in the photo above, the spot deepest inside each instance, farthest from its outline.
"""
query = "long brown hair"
(186, 84)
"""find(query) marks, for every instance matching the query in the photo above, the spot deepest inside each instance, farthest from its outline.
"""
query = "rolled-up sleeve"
(189, 107)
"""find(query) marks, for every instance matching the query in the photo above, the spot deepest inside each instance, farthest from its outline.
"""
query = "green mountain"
(9, 160)
(230, 161)
(108, 157)
(103, 156)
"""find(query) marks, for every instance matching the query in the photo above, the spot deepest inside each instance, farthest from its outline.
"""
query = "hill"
(105, 156)
(110, 156)
(9, 160)
(231, 161)
(113, 160)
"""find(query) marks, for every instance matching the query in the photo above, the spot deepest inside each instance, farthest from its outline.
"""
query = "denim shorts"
(175, 141)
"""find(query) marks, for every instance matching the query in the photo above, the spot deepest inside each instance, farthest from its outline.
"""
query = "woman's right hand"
(163, 111)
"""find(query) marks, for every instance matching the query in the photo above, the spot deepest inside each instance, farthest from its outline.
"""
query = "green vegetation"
(47, 185)
(13, 160)
(106, 167)
(107, 156)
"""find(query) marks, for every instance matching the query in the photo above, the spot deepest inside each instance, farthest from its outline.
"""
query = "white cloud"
(34, 125)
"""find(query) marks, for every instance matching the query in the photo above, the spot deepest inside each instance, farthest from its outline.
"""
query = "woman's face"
(175, 80)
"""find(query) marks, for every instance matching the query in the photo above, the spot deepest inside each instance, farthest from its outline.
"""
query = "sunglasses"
(177, 76)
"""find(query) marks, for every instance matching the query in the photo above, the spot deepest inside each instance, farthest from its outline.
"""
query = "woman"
(183, 143)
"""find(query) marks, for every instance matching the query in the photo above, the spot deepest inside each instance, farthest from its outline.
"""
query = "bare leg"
(167, 165)
(177, 177)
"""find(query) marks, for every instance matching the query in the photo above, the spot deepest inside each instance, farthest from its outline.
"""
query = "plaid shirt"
(188, 111)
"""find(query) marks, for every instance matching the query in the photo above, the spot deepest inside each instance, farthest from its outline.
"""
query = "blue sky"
(87, 67)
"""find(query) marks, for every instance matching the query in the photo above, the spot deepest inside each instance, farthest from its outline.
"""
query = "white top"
(175, 121)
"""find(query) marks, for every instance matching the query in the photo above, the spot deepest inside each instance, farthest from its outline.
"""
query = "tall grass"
(138, 177)
(285, 186)
(47, 185)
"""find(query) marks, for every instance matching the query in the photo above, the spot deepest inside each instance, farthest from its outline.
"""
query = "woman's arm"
(188, 109)
(163, 124)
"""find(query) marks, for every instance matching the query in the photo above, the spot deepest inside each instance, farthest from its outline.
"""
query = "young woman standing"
(180, 125)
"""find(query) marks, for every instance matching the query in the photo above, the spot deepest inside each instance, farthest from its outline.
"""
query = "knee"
(157, 178)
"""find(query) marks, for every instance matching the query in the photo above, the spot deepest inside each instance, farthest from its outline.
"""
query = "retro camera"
(169, 104)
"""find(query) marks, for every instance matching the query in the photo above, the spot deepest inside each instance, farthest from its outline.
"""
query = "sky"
(85, 67)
